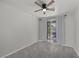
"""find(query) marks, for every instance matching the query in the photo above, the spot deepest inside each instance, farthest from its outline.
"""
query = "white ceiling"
(19, 4)
(25, 6)
(28, 6)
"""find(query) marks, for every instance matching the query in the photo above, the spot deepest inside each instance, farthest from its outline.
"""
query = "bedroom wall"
(17, 29)
(77, 29)
(69, 7)
(71, 21)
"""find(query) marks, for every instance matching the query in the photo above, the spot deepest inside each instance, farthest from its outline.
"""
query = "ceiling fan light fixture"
(44, 10)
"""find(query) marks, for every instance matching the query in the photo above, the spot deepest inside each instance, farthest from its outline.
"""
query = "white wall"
(72, 24)
(70, 38)
(77, 29)
(17, 29)
(71, 21)
(68, 6)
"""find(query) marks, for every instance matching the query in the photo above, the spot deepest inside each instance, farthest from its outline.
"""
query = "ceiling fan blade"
(38, 10)
(52, 1)
(41, 2)
(51, 9)
(38, 4)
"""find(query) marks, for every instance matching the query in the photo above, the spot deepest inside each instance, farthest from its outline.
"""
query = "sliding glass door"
(52, 29)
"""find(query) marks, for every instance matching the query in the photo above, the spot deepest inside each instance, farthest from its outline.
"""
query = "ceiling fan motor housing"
(44, 6)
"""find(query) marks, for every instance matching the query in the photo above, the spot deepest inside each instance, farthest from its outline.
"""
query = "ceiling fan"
(44, 6)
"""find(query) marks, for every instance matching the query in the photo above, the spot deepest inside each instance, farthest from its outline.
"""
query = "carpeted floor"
(45, 49)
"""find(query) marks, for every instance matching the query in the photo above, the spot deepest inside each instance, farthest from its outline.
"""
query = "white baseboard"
(77, 51)
(17, 50)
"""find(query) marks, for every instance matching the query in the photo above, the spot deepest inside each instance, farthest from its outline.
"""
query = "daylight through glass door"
(51, 30)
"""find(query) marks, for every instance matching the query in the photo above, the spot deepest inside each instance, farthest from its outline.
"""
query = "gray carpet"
(44, 49)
